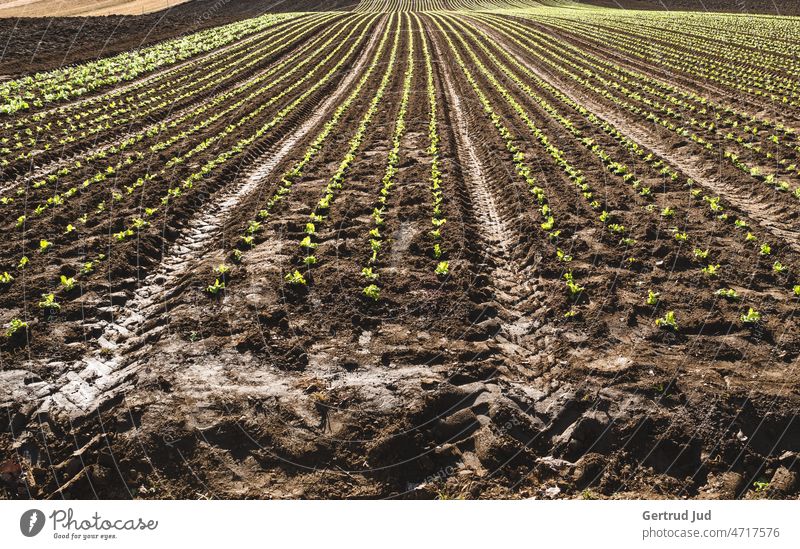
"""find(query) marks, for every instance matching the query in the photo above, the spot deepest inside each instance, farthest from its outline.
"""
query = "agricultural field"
(407, 249)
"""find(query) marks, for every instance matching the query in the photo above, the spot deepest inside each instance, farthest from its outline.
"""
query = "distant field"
(770, 7)
(67, 8)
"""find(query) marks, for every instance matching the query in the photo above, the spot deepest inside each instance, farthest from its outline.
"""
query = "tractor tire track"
(509, 285)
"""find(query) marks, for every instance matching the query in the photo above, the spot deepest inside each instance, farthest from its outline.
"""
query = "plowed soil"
(49, 8)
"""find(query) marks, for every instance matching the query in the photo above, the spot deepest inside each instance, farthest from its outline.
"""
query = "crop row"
(377, 241)
(667, 106)
(384, 6)
(438, 218)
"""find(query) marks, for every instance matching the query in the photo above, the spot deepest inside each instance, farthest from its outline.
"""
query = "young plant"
(714, 204)
(563, 256)
(44, 245)
(68, 283)
(216, 287)
(6, 278)
(752, 317)
(761, 485)
(15, 326)
(48, 302)
(253, 227)
(653, 298)
(573, 288)
(369, 273)
(307, 244)
(372, 292)
(442, 268)
(711, 271)
(295, 278)
(727, 293)
(122, 235)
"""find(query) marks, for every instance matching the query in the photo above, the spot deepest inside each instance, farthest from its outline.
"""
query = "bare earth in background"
(33, 44)
(72, 8)
(540, 363)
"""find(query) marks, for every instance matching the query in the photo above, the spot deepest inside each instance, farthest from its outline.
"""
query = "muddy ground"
(489, 382)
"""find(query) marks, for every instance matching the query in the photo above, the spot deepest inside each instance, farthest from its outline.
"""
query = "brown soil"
(475, 384)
